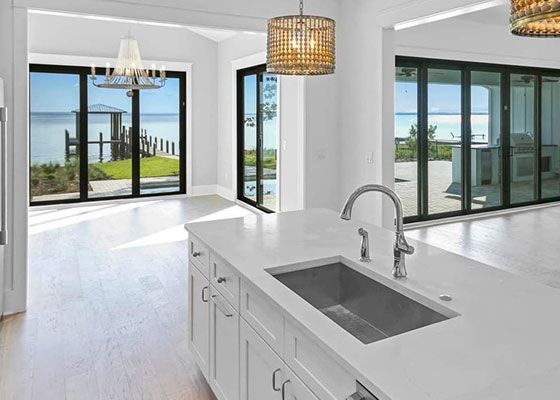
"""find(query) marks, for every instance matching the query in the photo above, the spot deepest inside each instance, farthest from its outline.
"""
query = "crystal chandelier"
(535, 18)
(301, 45)
(129, 72)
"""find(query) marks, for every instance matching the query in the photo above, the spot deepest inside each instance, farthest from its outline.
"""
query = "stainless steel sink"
(362, 306)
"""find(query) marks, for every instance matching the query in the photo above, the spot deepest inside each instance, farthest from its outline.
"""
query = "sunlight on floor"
(65, 217)
(177, 233)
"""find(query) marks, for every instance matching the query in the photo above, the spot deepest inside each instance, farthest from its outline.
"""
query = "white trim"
(203, 190)
(479, 216)
(81, 61)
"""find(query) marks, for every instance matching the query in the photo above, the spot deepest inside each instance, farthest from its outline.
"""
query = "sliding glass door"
(89, 143)
(474, 137)
(257, 145)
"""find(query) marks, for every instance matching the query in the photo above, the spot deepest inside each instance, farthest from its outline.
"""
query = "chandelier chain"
(300, 7)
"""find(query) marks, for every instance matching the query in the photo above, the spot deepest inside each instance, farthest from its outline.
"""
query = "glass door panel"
(54, 130)
(444, 140)
(522, 153)
(160, 133)
(550, 137)
(486, 129)
(249, 159)
(109, 142)
(268, 104)
(406, 138)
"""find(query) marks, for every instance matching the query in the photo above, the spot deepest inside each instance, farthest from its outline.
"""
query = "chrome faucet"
(401, 247)
(364, 249)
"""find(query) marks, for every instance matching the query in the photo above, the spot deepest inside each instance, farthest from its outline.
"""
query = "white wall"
(471, 41)
(48, 35)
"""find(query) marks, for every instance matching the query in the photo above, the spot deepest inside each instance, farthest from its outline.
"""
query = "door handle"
(284, 389)
(204, 299)
(276, 389)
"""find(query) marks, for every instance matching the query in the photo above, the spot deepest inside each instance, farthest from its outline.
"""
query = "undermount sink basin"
(367, 309)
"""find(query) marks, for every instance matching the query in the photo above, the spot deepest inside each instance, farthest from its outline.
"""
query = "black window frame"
(259, 71)
(83, 73)
(466, 68)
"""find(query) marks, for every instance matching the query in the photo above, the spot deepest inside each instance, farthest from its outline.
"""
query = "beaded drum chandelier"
(535, 18)
(301, 45)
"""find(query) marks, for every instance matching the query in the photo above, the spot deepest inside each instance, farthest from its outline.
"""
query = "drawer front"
(199, 254)
(264, 317)
(324, 376)
(224, 348)
(223, 277)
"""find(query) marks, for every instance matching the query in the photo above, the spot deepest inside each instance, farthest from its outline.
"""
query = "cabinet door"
(199, 318)
(294, 389)
(262, 371)
(224, 347)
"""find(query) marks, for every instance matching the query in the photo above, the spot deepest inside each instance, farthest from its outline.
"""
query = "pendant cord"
(301, 7)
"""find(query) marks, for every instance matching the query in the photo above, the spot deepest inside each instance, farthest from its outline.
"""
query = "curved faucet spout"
(401, 246)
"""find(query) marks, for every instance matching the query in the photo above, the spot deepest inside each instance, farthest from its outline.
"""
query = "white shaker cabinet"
(199, 318)
(224, 347)
(262, 371)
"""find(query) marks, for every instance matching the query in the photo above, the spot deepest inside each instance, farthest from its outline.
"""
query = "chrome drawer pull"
(196, 254)
(221, 279)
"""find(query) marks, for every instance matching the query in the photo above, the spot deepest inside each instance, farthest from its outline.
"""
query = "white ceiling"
(496, 16)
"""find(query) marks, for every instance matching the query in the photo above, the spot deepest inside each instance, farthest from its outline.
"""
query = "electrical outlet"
(369, 157)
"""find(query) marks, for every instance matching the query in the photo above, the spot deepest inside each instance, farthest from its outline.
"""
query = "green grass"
(150, 167)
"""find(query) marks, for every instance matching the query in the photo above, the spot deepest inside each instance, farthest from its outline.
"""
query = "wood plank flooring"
(107, 315)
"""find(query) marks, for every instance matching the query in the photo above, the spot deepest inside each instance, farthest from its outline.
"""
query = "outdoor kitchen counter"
(504, 343)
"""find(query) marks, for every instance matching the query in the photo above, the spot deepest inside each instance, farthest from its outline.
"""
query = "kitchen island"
(253, 337)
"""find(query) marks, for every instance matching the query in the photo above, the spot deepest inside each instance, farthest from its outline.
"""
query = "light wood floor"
(525, 243)
(107, 305)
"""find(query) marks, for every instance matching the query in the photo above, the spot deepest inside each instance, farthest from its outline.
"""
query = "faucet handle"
(403, 245)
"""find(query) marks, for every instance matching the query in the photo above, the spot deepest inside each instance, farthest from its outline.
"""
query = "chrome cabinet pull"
(284, 389)
(204, 299)
(220, 306)
(196, 254)
(221, 279)
(276, 389)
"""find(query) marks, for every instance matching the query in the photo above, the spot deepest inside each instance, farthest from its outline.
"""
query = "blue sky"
(61, 93)
(442, 98)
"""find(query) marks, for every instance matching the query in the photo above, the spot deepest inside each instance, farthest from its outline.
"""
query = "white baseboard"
(225, 192)
(203, 190)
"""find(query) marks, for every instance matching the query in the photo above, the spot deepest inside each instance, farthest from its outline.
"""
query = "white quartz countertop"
(504, 344)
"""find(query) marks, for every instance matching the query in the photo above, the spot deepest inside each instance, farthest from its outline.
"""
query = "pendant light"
(301, 45)
(535, 18)
(129, 72)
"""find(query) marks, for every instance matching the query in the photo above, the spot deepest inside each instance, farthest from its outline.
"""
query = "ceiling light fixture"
(129, 72)
(535, 18)
(301, 45)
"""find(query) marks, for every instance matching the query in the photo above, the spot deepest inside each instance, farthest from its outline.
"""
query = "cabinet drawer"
(264, 317)
(324, 376)
(199, 254)
(223, 277)
(224, 348)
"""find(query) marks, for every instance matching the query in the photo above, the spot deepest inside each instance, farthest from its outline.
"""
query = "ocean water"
(448, 125)
(47, 133)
